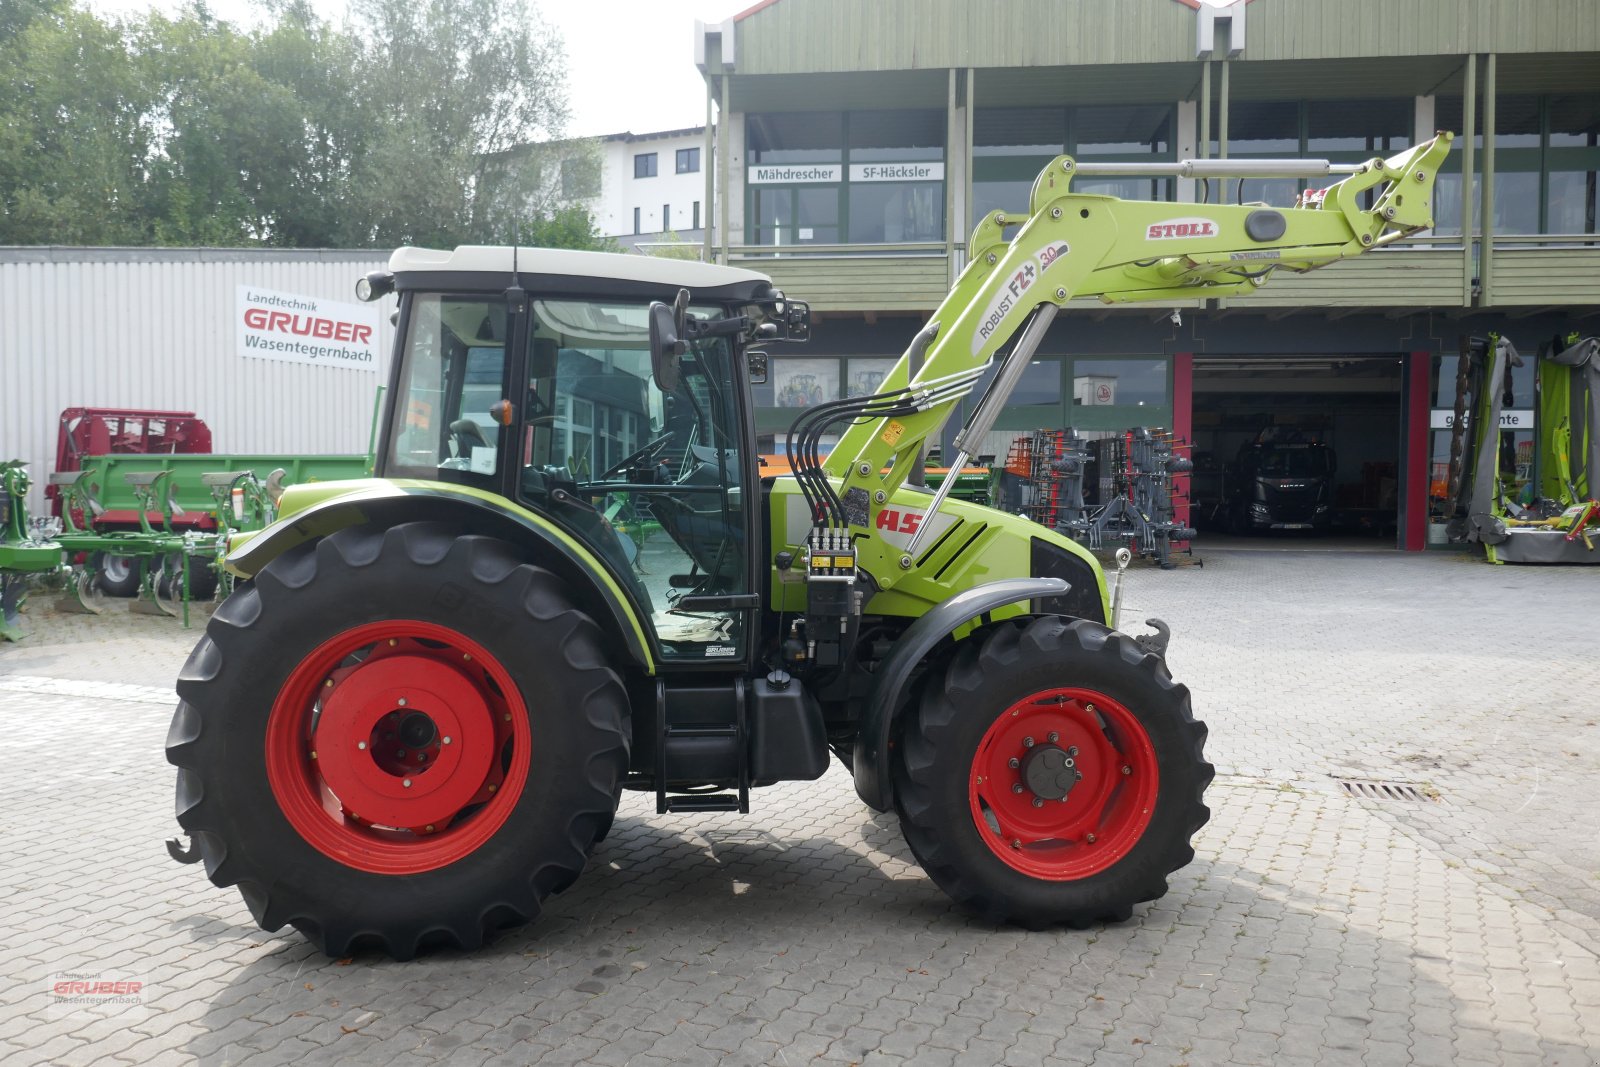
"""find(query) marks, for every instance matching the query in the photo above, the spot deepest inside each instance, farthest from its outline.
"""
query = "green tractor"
(414, 717)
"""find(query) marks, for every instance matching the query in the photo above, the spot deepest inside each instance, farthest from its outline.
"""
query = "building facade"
(652, 188)
(850, 163)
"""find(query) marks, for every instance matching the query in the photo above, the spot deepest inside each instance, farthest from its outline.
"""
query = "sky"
(630, 62)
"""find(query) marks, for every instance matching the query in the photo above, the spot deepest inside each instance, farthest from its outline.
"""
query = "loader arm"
(1073, 245)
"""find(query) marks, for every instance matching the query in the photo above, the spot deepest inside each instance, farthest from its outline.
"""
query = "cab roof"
(611, 266)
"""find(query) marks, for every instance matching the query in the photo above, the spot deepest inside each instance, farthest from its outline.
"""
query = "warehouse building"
(851, 165)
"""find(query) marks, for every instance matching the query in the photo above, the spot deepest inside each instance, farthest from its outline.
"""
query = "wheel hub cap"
(1048, 772)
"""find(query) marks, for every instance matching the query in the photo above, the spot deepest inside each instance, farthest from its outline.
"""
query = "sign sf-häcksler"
(306, 329)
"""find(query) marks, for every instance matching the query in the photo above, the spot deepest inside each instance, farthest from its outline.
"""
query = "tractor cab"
(530, 375)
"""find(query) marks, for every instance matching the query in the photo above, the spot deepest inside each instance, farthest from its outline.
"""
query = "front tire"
(397, 739)
(1053, 774)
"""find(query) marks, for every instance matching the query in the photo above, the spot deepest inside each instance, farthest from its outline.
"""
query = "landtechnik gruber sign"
(306, 329)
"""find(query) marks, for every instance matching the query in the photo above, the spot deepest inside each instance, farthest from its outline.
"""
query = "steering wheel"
(649, 451)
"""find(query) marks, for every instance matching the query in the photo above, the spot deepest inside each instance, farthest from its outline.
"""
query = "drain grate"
(1404, 792)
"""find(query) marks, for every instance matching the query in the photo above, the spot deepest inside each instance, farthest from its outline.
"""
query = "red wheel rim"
(397, 747)
(1076, 742)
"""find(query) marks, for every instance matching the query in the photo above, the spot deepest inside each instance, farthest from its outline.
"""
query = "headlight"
(1258, 509)
(374, 285)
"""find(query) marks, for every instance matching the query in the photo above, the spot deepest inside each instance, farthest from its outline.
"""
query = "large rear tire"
(1053, 774)
(395, 739)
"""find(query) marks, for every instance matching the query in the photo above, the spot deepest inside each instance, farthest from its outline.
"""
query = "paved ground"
(1313, 927)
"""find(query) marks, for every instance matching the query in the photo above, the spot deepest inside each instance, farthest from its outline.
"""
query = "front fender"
(870, 762)
(387, 503)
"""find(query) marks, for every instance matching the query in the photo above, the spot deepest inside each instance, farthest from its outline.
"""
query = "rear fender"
(871, 758)
(385, 504)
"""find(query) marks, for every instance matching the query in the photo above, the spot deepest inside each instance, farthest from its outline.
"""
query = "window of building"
(696, 225)
(1546, 164)
(644, 165)
(688, 160)
(795, 137)
(666, 217)
(870, 177)
(1011, 146)
(1122, 133)
(1119, 382)
(635, 220)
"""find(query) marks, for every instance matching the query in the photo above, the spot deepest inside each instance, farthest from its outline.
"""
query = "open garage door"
(1297, 451)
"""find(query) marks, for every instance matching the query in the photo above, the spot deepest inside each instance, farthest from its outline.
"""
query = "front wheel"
(398, 738)
(1054, 774)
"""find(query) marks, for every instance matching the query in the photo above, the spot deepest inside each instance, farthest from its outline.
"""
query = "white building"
(652, 184)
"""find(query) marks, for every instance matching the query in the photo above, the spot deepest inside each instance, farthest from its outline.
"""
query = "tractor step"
(701, 736)
(705, 802)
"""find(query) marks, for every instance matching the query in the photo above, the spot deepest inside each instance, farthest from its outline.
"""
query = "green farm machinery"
(417, 718)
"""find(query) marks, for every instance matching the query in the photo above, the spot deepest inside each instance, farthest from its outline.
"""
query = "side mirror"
(756, 367)
(795, 320)
(665, 348)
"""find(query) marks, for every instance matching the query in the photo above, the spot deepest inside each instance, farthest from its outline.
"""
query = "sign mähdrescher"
(792, 173)
(306, 329)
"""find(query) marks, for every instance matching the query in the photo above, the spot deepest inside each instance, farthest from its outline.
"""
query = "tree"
(74, 130)
(435, 121)
(468, 83)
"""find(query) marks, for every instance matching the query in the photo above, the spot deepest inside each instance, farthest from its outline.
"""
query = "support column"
(1414, 470)
(1469, 156)
(722, 169)
(1183, 426)
(709, 154)
(1486, 245)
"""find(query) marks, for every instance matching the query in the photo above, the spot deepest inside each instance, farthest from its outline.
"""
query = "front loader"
(414, 717)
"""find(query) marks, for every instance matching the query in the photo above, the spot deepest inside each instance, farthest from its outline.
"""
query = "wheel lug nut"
(1013, 763)
(1016, 842)
(1054, 737)
(401, 702)
(1017, 788)
(1027, 742)
(1038, 802)
(420, 757)
(313, 753)
(1089, 708)
(1068, 762)
(1072, 750)
(1126, 769)
(406, 783)
(1089, 838)
(447, 740)
(430, 828)
(362, 745)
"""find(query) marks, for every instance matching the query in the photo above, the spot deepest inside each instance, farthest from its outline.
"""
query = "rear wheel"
(202, 577)
(1054, 774)
(116, 575)
(398, 739)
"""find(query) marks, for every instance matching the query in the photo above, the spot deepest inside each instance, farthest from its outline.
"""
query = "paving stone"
(1312, 927)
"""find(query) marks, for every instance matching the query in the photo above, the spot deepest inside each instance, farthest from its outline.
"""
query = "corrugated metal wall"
(806, 36)
(136, 328)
